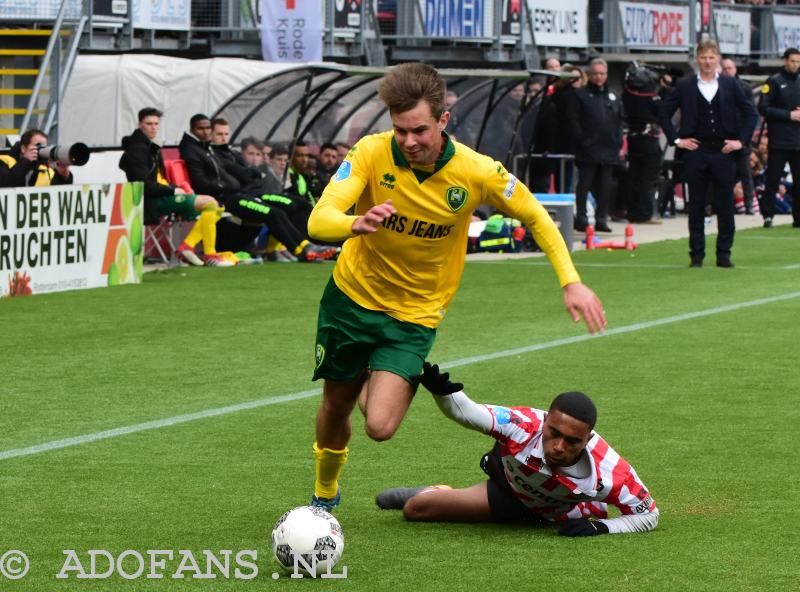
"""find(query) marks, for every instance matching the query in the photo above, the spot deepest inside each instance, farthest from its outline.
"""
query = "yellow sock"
(329, 465)
(299, 248)
(208, 227)
(273, 244)
(194, 236)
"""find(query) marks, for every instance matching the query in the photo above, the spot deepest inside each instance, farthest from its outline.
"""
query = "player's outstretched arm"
(373, 218)
(580, 301)
(452, 400)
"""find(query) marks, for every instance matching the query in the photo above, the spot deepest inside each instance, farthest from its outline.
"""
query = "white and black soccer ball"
(307, 536)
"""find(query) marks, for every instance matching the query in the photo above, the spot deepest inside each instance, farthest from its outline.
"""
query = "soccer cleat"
(327, 504)
(216, 261)
(186, 254)
(395, 498)
(310, 254)
(283, 256)
(768, 222)
(326, 252)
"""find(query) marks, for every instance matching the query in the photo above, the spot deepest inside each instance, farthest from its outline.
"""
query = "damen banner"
(291, 30)
(654, 25)
(70, 237)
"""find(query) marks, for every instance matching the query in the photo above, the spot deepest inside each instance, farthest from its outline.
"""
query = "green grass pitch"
(706, 409)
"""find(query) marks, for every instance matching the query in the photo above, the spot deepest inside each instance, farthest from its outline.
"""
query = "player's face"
(149, 126)
(419, 134)
(328, 158)
(708, 60)
(221, 135)
(202, 130)
(792, 63)
(253, 156)
(563, 438)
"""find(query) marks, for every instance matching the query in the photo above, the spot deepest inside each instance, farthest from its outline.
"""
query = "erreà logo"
(388, 181)
(456, 198)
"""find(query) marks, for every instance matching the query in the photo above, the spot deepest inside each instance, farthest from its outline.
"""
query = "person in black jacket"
(717, 120)
(142, 161)
(780, 106)
(22, 167)
(743, 171)
(595, 121)
(216, 170)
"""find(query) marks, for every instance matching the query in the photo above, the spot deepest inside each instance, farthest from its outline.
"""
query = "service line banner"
(787, 31)
(733, 31)
(562, 24)
(171, 15)
(69, 237)
(291, 30)
(654, 25)
(456, 18)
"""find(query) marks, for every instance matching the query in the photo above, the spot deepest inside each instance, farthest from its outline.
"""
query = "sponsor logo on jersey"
(456, 197)
(419, 228)
(510, 187)
(343, 172)
(644, 505)
(388, 181)
(320, 354)
(501, 171)
(502, 415)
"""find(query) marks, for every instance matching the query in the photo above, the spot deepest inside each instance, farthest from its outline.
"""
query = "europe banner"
(291, 30)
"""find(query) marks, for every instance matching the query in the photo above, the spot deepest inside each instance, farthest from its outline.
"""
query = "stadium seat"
(159, 235)
(178, 174)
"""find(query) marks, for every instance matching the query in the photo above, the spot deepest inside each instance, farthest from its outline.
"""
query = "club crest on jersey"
(456, 197)
(343, 172)
(320, 355)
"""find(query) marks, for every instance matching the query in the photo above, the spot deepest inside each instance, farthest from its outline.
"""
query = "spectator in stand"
(709, 134)
(142, 161)
(552, 64)
(22, 167)
(594, 117)
(743, 172)
(780, 106)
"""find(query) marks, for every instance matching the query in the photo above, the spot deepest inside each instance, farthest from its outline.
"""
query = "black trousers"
(597, 178)
(776, 161)
(644, 160)
(710, 170)
(259, 211)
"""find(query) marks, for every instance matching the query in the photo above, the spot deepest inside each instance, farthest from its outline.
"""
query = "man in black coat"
(710, 134)
(595, 122)
(780, 106)
(743, 171)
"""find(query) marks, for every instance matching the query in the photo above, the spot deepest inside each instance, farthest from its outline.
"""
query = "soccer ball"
(306, 537)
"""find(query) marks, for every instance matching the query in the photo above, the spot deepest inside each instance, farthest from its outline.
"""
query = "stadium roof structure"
(326, 102)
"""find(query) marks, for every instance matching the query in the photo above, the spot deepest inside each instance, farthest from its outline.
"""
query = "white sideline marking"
(630, 265)
(178, 419)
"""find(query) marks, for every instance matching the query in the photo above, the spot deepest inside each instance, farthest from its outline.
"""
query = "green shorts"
(351, 338)
(181, 205)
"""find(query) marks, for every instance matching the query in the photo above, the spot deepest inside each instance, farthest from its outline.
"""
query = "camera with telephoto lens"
(72, 154)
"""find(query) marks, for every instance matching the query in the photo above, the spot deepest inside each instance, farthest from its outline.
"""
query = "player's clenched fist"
(374, 217)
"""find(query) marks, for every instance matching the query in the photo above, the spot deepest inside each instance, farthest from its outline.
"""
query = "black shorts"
(503, 504)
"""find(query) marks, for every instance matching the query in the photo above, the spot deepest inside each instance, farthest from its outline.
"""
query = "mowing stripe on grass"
(179, 419)
(630, 265)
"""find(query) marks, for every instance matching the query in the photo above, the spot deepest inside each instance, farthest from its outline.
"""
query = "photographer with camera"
(25, 166)
(640, 98)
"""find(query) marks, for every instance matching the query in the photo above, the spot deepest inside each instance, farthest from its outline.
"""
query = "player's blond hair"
(407, 84)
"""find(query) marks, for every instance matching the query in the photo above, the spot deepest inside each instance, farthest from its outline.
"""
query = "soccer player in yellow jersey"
(414, 190)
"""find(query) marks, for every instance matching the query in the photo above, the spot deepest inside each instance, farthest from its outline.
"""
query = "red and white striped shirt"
(601, 476)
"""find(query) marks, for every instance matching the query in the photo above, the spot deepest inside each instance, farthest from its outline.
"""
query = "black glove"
(438, 384)
(582, 527)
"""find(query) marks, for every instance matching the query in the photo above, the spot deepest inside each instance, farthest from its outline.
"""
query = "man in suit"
(710, 135)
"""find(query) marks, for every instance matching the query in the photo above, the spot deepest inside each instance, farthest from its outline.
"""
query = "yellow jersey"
(411, 267)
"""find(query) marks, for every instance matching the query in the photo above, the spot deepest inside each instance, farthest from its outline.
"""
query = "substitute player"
(414, 190)
(545, 467)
